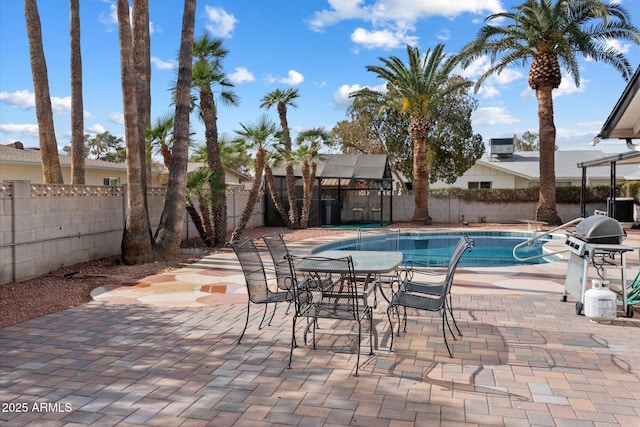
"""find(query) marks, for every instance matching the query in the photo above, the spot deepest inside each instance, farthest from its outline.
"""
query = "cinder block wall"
(44, 227)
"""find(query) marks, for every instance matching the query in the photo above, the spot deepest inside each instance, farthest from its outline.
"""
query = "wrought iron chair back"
(278, 250)
(256, 280)
(330, 291)
(416, 289)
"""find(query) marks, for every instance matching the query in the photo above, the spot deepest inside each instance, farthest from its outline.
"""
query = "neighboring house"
(521, 170)
(25, 164)
(232, 178)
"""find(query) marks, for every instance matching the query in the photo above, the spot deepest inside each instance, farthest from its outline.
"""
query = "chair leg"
(444, 332)
(246, 322)
(371, 334)
(293, 341)
(453, 317)
(264, 315)
(390, 326)
(358, 356)
(275, 306)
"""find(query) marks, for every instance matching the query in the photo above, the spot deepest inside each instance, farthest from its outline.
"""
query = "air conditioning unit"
(501, 147)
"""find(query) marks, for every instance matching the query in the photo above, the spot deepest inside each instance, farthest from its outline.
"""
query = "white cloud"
(492, 116)
(23, 128)
(97, 128)
(25, 100)
(221, 23)
(109, 18)
(20, 98)
(163, 65)
(341, 97)
(384, 39)
(488, 91)
(398, 13)
(619, 46)
(294, 78)
(116, 118)
(240, 75)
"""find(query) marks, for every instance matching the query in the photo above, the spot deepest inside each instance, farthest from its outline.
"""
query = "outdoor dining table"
(365, 263)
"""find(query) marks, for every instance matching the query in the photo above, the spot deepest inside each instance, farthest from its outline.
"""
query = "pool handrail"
(540, 236)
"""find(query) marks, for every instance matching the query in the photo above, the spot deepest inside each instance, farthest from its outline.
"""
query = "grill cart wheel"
(578, 308)
(630, 311)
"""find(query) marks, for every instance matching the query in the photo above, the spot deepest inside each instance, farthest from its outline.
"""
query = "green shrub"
(595, 193)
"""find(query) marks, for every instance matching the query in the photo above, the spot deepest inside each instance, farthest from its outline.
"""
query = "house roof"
(624, 120)
(526, 164)
(30, 156)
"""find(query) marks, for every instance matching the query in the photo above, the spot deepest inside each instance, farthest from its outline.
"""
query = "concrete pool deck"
(155, 355)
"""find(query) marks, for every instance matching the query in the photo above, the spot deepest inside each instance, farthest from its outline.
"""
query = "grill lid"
(600, 229)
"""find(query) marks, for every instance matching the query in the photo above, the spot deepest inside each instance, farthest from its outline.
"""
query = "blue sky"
(320, 47)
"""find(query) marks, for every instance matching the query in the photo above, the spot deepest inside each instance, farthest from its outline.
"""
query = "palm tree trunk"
(294, 218)
(253, 196)
(172, 220)
(51, 171)
(197, 222)
(77, 108)
(219, 196)
(141, 52)
(268, 175)
(418, 131)
(307, 186)
(546, 210)
(136, 240)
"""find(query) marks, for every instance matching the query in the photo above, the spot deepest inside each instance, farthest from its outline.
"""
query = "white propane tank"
(600, 302)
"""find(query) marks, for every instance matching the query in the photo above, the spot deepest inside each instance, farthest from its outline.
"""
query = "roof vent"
(16, 144)
(501, 148)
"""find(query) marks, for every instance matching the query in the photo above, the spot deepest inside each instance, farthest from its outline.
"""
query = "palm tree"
(142, 54)
(257, 137)
(308, 156)
(195, 188)
(51, 171)
(415, 89)
(77, 113)
(207, 71)
(169, 232)
(275, 158)
(136, 238)
(551, 34)
(160, 137)
(281, 99)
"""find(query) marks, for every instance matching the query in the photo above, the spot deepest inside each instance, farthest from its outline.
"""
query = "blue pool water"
(492, 248)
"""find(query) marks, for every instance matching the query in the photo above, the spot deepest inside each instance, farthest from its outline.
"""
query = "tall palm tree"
(142, 54)
(207, 72)
(169, 232)
(283, 99)
(551, 34)
(307, 154)
(77, 113)
(257, 137)
(51, 171)
(415, 88)
(136, 239)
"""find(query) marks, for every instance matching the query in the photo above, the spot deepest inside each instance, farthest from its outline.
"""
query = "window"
(472, 185)
(110, 181)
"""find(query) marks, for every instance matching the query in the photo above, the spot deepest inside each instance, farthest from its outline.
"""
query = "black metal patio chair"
(416, 289)
(331, 292)
(256, 280)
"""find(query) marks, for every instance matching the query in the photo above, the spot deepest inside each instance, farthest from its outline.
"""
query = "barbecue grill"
(596, 242)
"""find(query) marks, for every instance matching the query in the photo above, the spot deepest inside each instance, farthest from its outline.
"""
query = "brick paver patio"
(525, 359)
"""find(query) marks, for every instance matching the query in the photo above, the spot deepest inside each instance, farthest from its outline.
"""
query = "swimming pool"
(492, 248)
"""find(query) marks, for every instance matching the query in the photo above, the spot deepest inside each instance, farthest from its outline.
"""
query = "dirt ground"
(71, 285)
